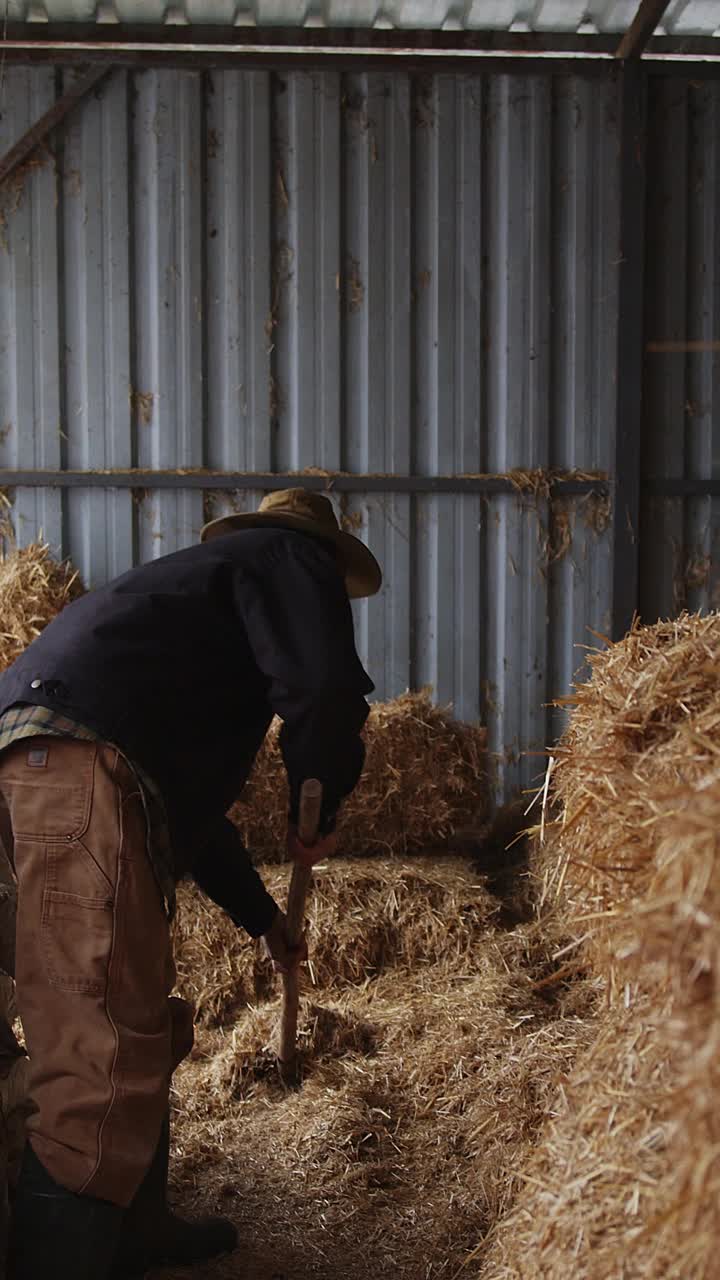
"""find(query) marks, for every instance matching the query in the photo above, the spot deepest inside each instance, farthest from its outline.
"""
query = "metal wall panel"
(30, 329)
(366, 273)
(169, 349)
(680, 538)
(94, 275)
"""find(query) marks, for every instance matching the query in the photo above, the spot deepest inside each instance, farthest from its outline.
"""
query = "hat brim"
(363, 575)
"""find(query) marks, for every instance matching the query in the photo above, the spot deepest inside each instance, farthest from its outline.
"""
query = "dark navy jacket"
(182, 662)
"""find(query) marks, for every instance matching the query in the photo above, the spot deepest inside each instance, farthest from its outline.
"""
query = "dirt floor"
(433, 1043)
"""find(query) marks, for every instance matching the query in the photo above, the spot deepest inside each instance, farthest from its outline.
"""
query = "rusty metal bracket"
(54, 116)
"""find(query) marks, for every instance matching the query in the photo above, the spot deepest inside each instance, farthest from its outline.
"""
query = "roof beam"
(196, 35)
(276, 57)
(644, 23)
(341, 48)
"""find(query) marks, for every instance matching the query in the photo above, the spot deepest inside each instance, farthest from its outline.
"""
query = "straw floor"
(432, 1041)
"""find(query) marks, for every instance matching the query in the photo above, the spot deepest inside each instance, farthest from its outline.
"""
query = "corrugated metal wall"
(680, 538)
(363, 273)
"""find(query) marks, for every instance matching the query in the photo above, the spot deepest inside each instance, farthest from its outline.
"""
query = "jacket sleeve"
(320, 738)
(224, 872)
(300, 627)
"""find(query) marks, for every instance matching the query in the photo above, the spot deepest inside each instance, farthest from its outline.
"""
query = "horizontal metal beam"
(523, 44)
(196, 35)
(697, 64)
(654, 487)
(339, 482)
(519, 482)
(698, 345)
(288, 57)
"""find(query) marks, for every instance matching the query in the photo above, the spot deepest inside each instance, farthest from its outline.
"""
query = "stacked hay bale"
(424, 781)
(33, 589)
(626, 1182)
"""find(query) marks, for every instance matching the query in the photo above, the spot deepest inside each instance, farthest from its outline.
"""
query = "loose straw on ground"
(431, 1053)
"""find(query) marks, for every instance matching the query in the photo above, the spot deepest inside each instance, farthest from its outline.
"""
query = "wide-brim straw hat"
(310, 513)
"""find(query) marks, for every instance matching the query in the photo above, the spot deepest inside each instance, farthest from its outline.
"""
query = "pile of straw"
(33, 590)
(431, 1045)
(362, 916)
(425, 780)
(626, 1182)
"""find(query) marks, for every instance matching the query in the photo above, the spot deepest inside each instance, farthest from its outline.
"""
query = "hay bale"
(425, 780)
(33, 590)
(592, 1187)
(645, 726)
(431, 1051)
(626, 1181)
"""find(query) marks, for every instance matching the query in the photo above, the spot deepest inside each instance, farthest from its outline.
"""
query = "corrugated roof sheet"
(683, 17)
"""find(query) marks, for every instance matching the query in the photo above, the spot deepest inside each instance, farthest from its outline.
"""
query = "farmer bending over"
(127, 729)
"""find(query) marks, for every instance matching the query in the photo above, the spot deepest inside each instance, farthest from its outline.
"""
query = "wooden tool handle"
(310, 807)
(308, 822)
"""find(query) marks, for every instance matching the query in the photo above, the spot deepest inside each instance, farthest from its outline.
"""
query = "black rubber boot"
(54, 1232)
(153, 1236)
